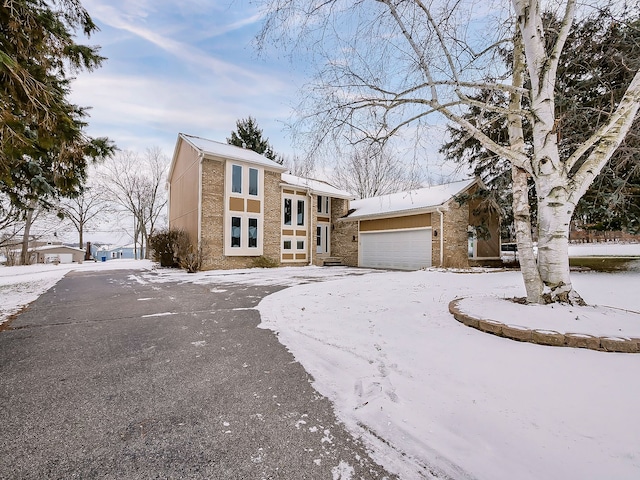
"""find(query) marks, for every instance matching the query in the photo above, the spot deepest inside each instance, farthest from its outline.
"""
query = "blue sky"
(186, 66)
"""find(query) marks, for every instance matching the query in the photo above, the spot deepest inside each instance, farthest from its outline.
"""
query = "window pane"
(236, 179)
(319, 203)
(300, 212)
(287, 244)
(318, 236)
(253, 232)
(287, 211)
(300, 244)
(236, 223)
(253, 181)
(326, 205)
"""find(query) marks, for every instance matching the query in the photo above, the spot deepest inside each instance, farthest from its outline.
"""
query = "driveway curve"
(109, 376)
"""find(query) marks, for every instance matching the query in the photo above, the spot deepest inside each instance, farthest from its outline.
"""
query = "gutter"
(200, 158)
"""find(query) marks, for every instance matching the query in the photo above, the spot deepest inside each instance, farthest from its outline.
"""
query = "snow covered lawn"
(430, 394)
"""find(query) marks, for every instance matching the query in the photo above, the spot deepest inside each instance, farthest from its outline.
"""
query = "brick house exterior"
(239, 206)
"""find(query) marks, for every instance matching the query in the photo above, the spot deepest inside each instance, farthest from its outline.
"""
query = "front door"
(323, 239)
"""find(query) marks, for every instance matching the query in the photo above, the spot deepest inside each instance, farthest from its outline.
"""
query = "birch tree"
(388, 67)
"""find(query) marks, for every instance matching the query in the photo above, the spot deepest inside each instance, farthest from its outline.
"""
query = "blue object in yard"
(104, 259)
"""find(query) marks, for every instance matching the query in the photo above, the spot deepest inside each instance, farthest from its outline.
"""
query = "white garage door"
(399, 249)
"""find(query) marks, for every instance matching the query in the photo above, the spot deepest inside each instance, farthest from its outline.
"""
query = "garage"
(396, 249)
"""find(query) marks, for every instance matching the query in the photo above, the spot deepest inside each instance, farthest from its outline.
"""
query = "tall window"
(253, 232)
(253, 181)
(236, 179)
(323, 204)
(236, 228)
(300, 217)
(287, 211)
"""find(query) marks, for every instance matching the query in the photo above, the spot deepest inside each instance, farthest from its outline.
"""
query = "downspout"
(200, 158)
(310, 236)
(441, 236)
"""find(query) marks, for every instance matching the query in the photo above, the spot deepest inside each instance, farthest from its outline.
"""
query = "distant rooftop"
(418, 199)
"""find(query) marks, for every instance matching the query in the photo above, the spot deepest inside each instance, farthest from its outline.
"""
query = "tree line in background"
(45, 153)
(125, 194)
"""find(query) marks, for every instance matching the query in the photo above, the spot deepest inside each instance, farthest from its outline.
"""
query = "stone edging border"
(546, 337)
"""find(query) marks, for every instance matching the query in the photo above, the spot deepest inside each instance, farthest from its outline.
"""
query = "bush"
(166, 246)
(265, 262)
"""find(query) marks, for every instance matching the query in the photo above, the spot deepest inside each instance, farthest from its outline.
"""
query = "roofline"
(399, 213)
(414, 211)
(316, 192)
(186, 137)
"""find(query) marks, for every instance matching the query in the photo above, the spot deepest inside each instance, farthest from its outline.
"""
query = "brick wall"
(344, 235)
(272, 215)
(456, 223)
(213, 219)
(212, 212)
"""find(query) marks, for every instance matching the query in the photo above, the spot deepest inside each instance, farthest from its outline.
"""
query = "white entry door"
(323, 239)
(397, 249)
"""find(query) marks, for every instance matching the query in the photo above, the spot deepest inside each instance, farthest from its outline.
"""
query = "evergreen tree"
(43, 148)
(249, 135)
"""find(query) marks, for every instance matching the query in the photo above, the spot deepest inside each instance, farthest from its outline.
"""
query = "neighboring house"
(57, 254)
(102, 253)
(239, 205)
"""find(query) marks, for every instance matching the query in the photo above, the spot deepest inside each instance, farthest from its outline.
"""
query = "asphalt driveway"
(108, 376)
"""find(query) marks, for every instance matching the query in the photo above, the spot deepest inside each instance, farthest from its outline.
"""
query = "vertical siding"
(183, 198)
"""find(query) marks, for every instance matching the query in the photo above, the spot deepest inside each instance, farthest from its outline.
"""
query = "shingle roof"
(218, 149)
(316, 186)
(405, 202)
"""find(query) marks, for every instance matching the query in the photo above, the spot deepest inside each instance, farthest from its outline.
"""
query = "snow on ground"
(448, 399)
(21, 285)
(604, 249)
(429, 394)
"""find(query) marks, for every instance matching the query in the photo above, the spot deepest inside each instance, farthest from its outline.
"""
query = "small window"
(318, 236)
(287, 211)
(300, 212)
(236, 179)
(253, 181)
(236, 224)
(300, 244)
(320, 203)
(287, 245)
(253, 233)
(327, 210)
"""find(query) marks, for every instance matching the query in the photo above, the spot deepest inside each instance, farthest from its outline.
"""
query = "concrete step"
(332, 262)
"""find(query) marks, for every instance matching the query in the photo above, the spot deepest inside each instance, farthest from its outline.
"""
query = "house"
(426, 227)
(57, 254)
(102, 253)
(238, 206)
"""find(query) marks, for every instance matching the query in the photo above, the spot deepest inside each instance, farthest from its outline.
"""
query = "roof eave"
(399, 213)
(317, 192)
